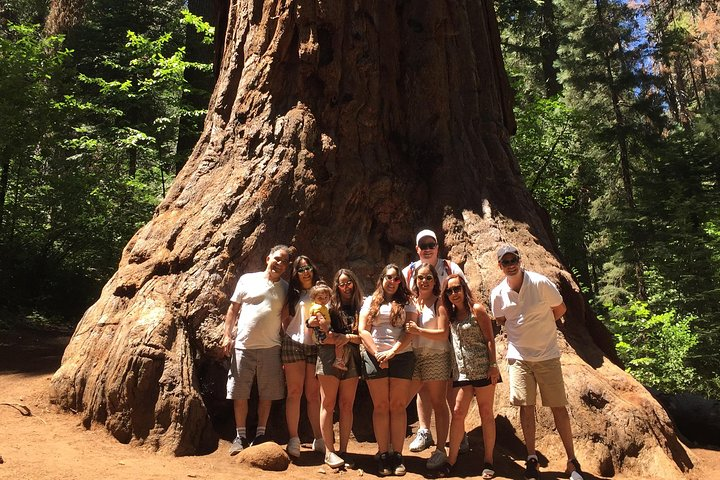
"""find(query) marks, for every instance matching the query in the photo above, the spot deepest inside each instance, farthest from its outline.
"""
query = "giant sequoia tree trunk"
(342, 128)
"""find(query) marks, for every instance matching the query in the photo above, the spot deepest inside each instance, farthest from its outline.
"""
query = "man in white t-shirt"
(426, 246)
(252, 339)
(528, 304)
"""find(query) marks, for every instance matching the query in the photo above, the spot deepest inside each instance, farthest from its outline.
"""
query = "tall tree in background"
(96, 122)
(625, 131)
(343, 129)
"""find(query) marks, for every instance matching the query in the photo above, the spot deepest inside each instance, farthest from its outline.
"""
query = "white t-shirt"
(297, 329)
(441, 267)
(382, 331)
(261, 302)
(530, 322)
(428, 319)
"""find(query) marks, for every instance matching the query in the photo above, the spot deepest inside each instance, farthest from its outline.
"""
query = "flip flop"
(488, 471)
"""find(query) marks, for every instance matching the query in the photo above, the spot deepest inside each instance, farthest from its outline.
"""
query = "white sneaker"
(465, 444)
(332, 460)
(436, 460)
(237, 446)
(423, 439)
(319, 445)
(293, 447)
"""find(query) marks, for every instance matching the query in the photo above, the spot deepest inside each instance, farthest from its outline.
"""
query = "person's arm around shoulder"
(364, 326)
(559, 310)
(286, 318)
(485, 323)
(231, 318)
(495, 303)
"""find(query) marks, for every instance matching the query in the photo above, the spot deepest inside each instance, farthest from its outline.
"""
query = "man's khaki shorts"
(526, 376)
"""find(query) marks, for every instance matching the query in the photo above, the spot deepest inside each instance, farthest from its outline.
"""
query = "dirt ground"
(39, 442)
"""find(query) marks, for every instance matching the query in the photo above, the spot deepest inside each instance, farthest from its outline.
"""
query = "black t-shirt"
(342, 321)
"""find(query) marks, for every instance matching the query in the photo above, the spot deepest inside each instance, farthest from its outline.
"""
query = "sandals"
(488, 471)
(575, 474)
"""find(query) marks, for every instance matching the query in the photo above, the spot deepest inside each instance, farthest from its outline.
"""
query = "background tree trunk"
(342, 128)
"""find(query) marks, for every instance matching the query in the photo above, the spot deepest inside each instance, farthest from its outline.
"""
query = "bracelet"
(493, 364)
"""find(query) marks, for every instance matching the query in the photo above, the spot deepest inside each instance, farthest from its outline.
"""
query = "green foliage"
(88, 154)
(626, 160)
(655, 347)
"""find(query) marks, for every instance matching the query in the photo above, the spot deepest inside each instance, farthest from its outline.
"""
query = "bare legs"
(485, 398)
(300, 377)
(457, 425)
(240, 408)
(437, 394)
(389, 396)
(329, 388)
(527, 422)
(562, 424)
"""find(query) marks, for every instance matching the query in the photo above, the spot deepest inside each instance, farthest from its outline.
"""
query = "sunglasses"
(429, 278)
(393, 278)
(427, 246)
(349, 283)
(453, 290)
(510, 261)
(305, 268)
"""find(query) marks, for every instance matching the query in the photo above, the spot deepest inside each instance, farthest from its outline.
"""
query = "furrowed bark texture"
(341, 128)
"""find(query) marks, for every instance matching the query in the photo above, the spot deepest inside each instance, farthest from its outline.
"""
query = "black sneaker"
(445, 470)
(349, 461)
(398, 467)
(385, 465)
(531, 469)
(260, 439)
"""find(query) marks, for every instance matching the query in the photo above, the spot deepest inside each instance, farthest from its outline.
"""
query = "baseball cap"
(505, 249)
(425, 233)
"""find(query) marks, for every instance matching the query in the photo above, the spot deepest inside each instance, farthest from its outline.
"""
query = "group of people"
(420, 333)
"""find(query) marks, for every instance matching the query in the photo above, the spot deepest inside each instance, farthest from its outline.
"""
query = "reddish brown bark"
(342, 128)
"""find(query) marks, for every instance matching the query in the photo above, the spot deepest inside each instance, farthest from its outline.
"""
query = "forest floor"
(37, 441)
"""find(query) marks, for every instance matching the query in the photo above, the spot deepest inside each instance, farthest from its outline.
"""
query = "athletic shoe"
(488, 471)
(260, 439)
(436, 460)
(319, 445)
(237, 446)
(349, 461)
(445, 470)
(384, 462)
(293, 447)
(423, 439)
(398, 467)
(465, 444)
(531, 468)
(332, 460)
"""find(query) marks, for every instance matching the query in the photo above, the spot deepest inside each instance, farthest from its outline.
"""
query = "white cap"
(425, 233)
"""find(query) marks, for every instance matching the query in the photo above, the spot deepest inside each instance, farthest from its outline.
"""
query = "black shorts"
(400, 366)
(483, 382)
(326, 357)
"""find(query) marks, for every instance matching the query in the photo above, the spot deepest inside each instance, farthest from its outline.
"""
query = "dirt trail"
(39, 442)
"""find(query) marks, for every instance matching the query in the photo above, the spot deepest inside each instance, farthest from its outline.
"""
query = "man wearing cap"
(528, 304)
(427, 247)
